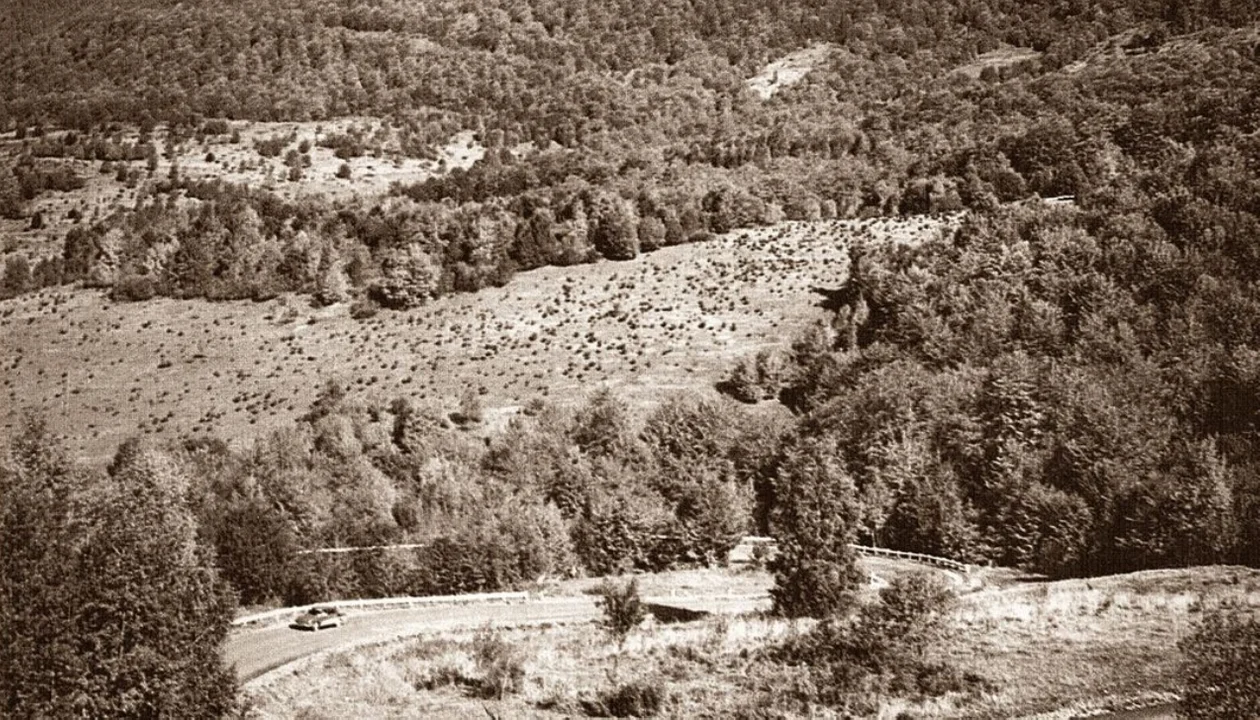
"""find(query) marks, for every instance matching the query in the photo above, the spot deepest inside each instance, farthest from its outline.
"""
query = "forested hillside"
(522, 65)
(1001, 376)
(1066, 382)
(610, 128)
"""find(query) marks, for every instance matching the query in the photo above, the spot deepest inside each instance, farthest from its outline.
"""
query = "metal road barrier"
(359, 548)
(913, 556)
(384, 603)
(770, 544)
(507, 597)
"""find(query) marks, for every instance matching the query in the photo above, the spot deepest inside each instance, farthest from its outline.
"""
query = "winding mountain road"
(255, 651)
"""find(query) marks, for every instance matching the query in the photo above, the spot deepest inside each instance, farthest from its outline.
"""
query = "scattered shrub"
(272, 146)
(441, 676)
(501, 664)
(755, 379)
(640, 698)
(470, 413)
(622, 607)
(364, 310)
(217, 126)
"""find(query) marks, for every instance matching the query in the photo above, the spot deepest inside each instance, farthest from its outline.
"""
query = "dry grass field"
(1089, 643)
(674, 319)
(1051, 650)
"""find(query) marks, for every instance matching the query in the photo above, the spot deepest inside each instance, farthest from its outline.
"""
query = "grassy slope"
(674, 319)
(1088, 643)
(1074, 644)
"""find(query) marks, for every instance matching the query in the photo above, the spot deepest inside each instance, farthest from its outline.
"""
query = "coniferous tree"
(814, 519)
(11, 204)
(155, 613)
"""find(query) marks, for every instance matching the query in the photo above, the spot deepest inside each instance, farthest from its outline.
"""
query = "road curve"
(254, 652)
(1163, 711)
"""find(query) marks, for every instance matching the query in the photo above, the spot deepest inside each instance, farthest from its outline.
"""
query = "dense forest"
(610, 129)
(1064, 387)
(1069, 387)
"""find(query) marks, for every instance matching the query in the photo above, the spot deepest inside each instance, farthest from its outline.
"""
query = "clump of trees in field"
(594, 490)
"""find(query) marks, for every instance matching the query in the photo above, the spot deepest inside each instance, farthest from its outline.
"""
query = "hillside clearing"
(1005, 56)
(672, 320)
(235, 158)
(788, 70)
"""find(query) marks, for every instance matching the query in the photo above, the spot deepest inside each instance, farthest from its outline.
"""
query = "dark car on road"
(319, 618)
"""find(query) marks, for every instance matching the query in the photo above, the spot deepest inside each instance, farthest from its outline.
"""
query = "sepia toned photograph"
(562, 359)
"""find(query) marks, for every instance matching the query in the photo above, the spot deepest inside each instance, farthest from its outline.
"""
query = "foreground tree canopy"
(112, 606)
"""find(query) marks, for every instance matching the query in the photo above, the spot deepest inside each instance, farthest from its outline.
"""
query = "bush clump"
(623, 609)
(882, 649)
(134, 288)
(1220, 660)
(638, 698)
(501, 664)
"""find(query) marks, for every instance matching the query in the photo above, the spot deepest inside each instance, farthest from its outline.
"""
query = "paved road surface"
(256, 651)
(1166, 711)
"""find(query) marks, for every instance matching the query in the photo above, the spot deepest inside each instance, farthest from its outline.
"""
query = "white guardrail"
(382, 604)
(770, 543)
(913, 556)
(510, 597)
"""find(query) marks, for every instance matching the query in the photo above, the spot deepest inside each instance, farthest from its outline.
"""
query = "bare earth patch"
(788, 70)
(1002, 57)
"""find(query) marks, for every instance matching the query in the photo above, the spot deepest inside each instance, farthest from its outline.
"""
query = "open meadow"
(674, 319)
